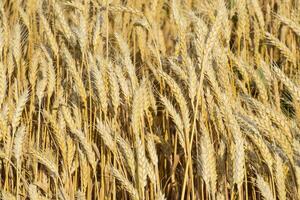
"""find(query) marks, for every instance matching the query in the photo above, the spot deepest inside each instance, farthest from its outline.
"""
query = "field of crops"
(150, 99)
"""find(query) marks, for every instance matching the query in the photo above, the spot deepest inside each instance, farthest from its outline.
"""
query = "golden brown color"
(150, 99)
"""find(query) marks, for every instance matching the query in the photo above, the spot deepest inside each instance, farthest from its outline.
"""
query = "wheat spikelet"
(69, 119)
(127, 152)
(2, 40)
(152, 150)
(239, 153)
(290, 23)
(221, 71)
(280, 178)
(208, 161)
(72, 67)
(242, 13)
(276, 117)
(262, 90)
(179, 71)
(123, 84)
(40, 89)
(139, 104)
(181, 26)
(10, 65)
(107, 135)
(3, 83)
(80, 195)
(88, 149)
(281, 140)
(151, 96)
(297, 172)
(77, 116)
(49, 34)
(86, 145)
(32, 190)
(81, 32)
(100, 86)
(4, 126)
(192, 81)
(126, 184)
(210, 43)
(239, 160)
(160, 196)
(16, 42)
(227, 31)
(201, 31)
(176, 118)
(114, 89)
(71, 152)
(265, 125)
(4, 19)
(18, 144)
(263, 148)
(240, 65)
(58, 135)
(264, 188)
(266, 72)
(63, 21)
(7, 195)
(51, 75)
(258, 12)
(151, 172)
(141, 165)
(24, 16)
(287, 82)
(127, 61)
(125, 9)
(281, 46)
(34, 68)
(46, 159)
(97, 29)
(179, 98)
(21, 102)
(85, 169)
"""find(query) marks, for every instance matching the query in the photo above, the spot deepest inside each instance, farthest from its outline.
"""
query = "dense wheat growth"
(150, 99)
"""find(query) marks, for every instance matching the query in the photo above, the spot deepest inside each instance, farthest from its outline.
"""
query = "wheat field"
(150, 99)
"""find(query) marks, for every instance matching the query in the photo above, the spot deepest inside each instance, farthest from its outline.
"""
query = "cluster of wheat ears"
(150, 99)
